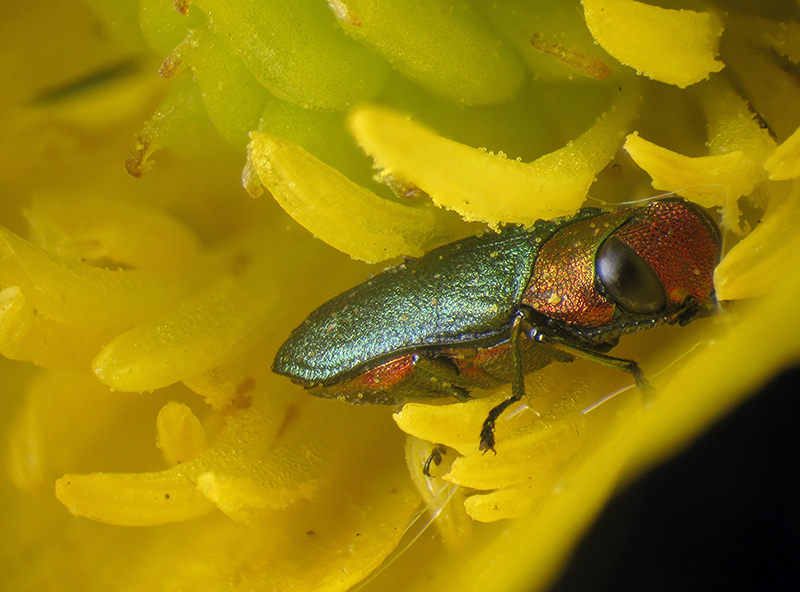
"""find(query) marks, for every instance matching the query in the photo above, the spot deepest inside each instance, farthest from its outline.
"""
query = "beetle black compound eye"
(628, 279)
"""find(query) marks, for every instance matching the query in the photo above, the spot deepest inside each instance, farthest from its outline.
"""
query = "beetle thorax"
(562, 285)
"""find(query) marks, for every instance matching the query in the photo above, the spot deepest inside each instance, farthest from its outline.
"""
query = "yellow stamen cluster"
(139, 316)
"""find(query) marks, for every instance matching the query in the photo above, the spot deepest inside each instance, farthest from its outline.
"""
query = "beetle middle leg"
(624, 364)
(441, 374)
(517, 386)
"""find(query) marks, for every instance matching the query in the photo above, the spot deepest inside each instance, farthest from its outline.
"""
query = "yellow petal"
(223, 321)
(717, 180)
(674, 46)
(456, 425)
(325, 201)
(204, 332)
(784, 163)
(488, 187)
(754, 266)
(737, 144)
(504, 504)
(27, 335)
(63, 415)
(525, 455)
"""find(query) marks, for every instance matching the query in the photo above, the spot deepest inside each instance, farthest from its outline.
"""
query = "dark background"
(724, 515)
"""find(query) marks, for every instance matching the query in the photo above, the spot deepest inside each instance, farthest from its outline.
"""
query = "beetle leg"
(435, 458)
(624, 364)
(517, 386)
(487, 431)
(442, 375)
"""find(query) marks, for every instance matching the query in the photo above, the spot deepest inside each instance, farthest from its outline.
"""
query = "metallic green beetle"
(488, 309)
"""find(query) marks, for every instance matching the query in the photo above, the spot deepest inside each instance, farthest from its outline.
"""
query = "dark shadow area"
(724, 515)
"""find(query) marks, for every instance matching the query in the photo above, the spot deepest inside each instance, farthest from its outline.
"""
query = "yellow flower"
(123, 299)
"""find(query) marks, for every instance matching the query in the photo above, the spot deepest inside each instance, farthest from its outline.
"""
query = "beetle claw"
(487, 431)
(434, 458)
(487, 436)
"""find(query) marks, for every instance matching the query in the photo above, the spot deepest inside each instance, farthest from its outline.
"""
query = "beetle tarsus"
(644, 386)
(487, 431)
(632, 368)
(435, 458)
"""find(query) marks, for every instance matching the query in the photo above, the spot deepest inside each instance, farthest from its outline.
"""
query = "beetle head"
(618, 270)
(661, 261)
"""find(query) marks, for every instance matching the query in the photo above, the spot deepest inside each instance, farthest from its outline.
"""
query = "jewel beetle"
(488, 309)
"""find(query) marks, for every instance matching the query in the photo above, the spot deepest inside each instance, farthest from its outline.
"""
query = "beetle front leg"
(517, 386)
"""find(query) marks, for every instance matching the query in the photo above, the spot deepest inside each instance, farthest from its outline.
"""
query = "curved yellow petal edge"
(490, 187)
(27, 335)
(206, 330)
(326, 203)
(784, 163)
(70, 292)
(738, 146)
(712, 181)
(674, 46)
(754, 266)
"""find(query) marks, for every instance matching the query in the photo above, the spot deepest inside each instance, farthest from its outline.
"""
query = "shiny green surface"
(463, 292)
